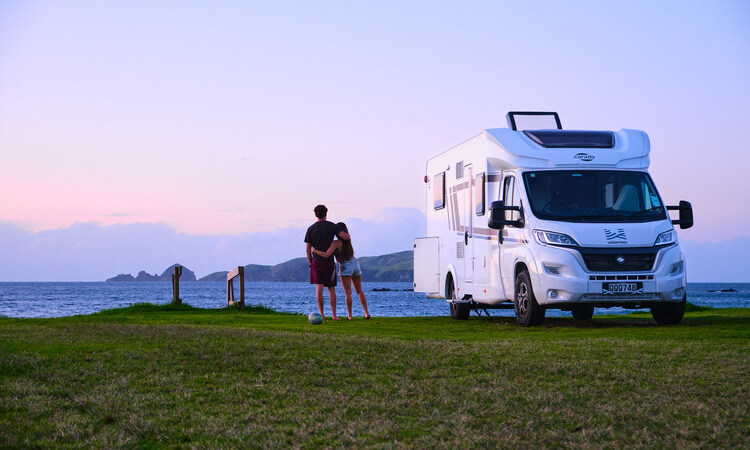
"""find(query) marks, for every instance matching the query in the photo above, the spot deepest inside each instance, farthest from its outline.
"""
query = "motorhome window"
(593, 196)
(508, 191)
(479, 194)
(438, 190)
(510, 197)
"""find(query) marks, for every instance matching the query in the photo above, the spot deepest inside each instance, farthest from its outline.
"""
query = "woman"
(348, 269)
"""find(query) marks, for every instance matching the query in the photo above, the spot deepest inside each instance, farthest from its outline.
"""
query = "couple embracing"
(320, 251)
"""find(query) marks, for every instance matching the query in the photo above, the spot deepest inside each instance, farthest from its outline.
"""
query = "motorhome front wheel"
(528, 311)
(583, 312)
(669, 313)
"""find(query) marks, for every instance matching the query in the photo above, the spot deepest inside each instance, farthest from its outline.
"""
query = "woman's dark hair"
(347, 251)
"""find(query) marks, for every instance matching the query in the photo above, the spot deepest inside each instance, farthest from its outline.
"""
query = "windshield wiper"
(643, 213)
(594, 216)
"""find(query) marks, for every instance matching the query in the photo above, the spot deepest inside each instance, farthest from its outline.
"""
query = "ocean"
(67, 299)
(397, 300)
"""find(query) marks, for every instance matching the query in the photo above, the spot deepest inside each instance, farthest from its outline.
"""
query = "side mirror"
(686, 214)
(497, 216)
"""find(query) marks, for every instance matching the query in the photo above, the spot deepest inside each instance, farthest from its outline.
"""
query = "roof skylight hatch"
(572, 138)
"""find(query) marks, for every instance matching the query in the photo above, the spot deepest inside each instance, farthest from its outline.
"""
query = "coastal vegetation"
(166, 375)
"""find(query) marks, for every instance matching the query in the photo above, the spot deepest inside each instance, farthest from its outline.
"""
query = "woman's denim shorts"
(350, 268)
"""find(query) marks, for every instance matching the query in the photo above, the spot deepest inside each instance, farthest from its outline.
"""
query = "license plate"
(622, 288)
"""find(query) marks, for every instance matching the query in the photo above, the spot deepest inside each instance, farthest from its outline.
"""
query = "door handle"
(466, 237)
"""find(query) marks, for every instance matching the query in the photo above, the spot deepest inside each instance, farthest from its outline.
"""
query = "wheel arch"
(525, 261)
(450, 275)
(519, 267)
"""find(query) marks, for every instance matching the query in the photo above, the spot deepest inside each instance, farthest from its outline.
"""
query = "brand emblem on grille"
(616, 236)
(620, 260)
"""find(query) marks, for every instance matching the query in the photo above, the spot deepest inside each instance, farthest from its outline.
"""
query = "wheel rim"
(522, 298)
(452, 296)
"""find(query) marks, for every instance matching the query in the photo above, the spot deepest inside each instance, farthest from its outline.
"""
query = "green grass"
(163, 375)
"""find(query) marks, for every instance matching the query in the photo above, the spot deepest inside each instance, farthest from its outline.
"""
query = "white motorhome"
(545, 218)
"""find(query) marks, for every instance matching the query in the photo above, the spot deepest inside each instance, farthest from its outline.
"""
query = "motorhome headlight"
(550, 238)
(668, 237)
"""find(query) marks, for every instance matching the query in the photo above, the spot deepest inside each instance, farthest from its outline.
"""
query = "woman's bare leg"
(358, 288)
(346, 283)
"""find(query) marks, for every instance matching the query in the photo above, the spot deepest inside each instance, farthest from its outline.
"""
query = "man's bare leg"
(332, 298)
(319, 298)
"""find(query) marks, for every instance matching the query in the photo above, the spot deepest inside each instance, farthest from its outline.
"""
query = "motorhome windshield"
(593, 196)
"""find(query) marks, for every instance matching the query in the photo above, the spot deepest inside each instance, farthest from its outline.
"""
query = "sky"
(222, 121)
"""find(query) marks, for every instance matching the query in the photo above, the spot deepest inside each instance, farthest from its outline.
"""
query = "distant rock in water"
(390, 290)
(722, 290)
(143, 276)
(187, 275)
(122, 277)
(216, 276)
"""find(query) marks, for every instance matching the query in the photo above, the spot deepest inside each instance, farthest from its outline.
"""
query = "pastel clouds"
(94, 252)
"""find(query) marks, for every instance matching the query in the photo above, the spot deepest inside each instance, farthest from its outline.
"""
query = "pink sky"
(239, 117)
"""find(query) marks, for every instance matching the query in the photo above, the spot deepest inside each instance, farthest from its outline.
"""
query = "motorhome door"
(467, 218)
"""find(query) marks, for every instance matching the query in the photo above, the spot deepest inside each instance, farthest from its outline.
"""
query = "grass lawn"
(178, 376)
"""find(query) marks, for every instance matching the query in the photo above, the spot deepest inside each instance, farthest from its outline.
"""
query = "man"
(323, 270)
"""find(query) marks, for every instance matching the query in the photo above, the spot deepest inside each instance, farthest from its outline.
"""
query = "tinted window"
(508, 191)
(510, 197)
(479, 194)
(438, 190)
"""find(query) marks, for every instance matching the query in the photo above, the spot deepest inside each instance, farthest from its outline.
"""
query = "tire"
(583, 312)
(528, 311)
(669, 313)
(459, 311)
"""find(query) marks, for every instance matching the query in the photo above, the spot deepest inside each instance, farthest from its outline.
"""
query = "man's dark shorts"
(323, 272)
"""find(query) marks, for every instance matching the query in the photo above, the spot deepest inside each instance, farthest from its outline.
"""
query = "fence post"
(176, 300)
(238, 272)
(241, 270)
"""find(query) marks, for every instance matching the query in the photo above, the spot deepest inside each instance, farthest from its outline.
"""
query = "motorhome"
(538, 217)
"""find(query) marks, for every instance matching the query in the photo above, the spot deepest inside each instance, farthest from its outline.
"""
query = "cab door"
(511, 237)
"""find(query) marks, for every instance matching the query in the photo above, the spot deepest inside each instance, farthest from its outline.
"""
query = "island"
(392, 267)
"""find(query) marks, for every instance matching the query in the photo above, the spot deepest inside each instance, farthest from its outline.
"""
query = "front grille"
(619, 259)
(620, 277)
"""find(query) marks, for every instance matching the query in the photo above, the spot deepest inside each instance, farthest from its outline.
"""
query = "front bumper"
(562, 280)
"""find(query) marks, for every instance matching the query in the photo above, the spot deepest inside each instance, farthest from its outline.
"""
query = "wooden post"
(238, 272)
(241, 270)
(176, 285)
